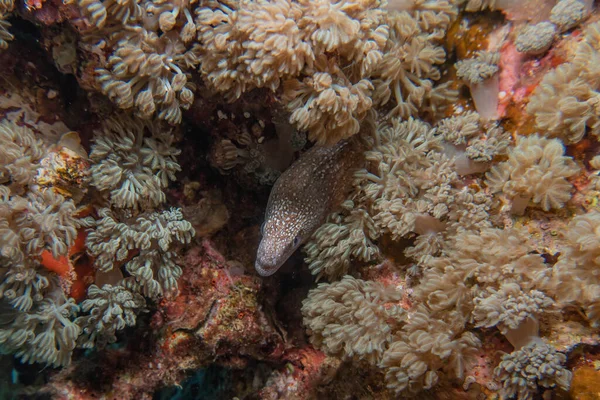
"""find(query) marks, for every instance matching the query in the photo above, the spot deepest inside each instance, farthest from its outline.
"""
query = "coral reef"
(477, 274)
(45, 217)
(214, 319)
(132, 241)
(436, 163)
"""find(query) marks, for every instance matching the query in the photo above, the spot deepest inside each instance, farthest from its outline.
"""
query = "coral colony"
(300, 199)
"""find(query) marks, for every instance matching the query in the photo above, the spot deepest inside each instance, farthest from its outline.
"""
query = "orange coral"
(75, 267)
(60, 265)
(586, 381)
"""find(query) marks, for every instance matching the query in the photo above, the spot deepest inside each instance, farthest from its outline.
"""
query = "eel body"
(302, 197)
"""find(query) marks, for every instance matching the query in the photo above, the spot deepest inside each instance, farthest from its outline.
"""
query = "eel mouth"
(265, 270)
(267, 265)
(273, 252)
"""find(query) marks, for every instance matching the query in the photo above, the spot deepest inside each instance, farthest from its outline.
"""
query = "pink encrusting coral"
(226, 324)
(510, 86)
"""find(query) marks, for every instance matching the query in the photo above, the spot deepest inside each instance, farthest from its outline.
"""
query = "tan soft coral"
(474, 263)
(151, 54)
(364, 320)
(575, 276)
(6, 7)
(147, 71)
(322, 52)
(404, 79)
(409, 189)
(410, 185)
(566, 104)
(327, 104)
(259, 43)
(40, 221)
(31, 218)
(536, 171)
(509, 306)
(347, 236)
(20, 154)
(133, 162)
(473, 143)
(405, 162)
(427, 347)
(355, 30)
(336, 59)
(536, 365)
(254, 45)
(353, 318)
(172, 14)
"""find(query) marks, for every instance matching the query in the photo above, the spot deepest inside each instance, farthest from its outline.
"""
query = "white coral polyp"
(133, 161)
(536, 171)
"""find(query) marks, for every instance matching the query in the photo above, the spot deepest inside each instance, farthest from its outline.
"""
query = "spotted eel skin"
(311, 188)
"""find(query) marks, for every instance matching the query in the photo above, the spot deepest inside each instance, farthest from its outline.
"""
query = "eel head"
(283, 232)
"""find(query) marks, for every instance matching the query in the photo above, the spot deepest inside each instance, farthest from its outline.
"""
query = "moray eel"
(301, 199)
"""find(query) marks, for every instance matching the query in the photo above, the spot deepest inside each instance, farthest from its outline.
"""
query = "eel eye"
(262, 229)
(296, 241)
